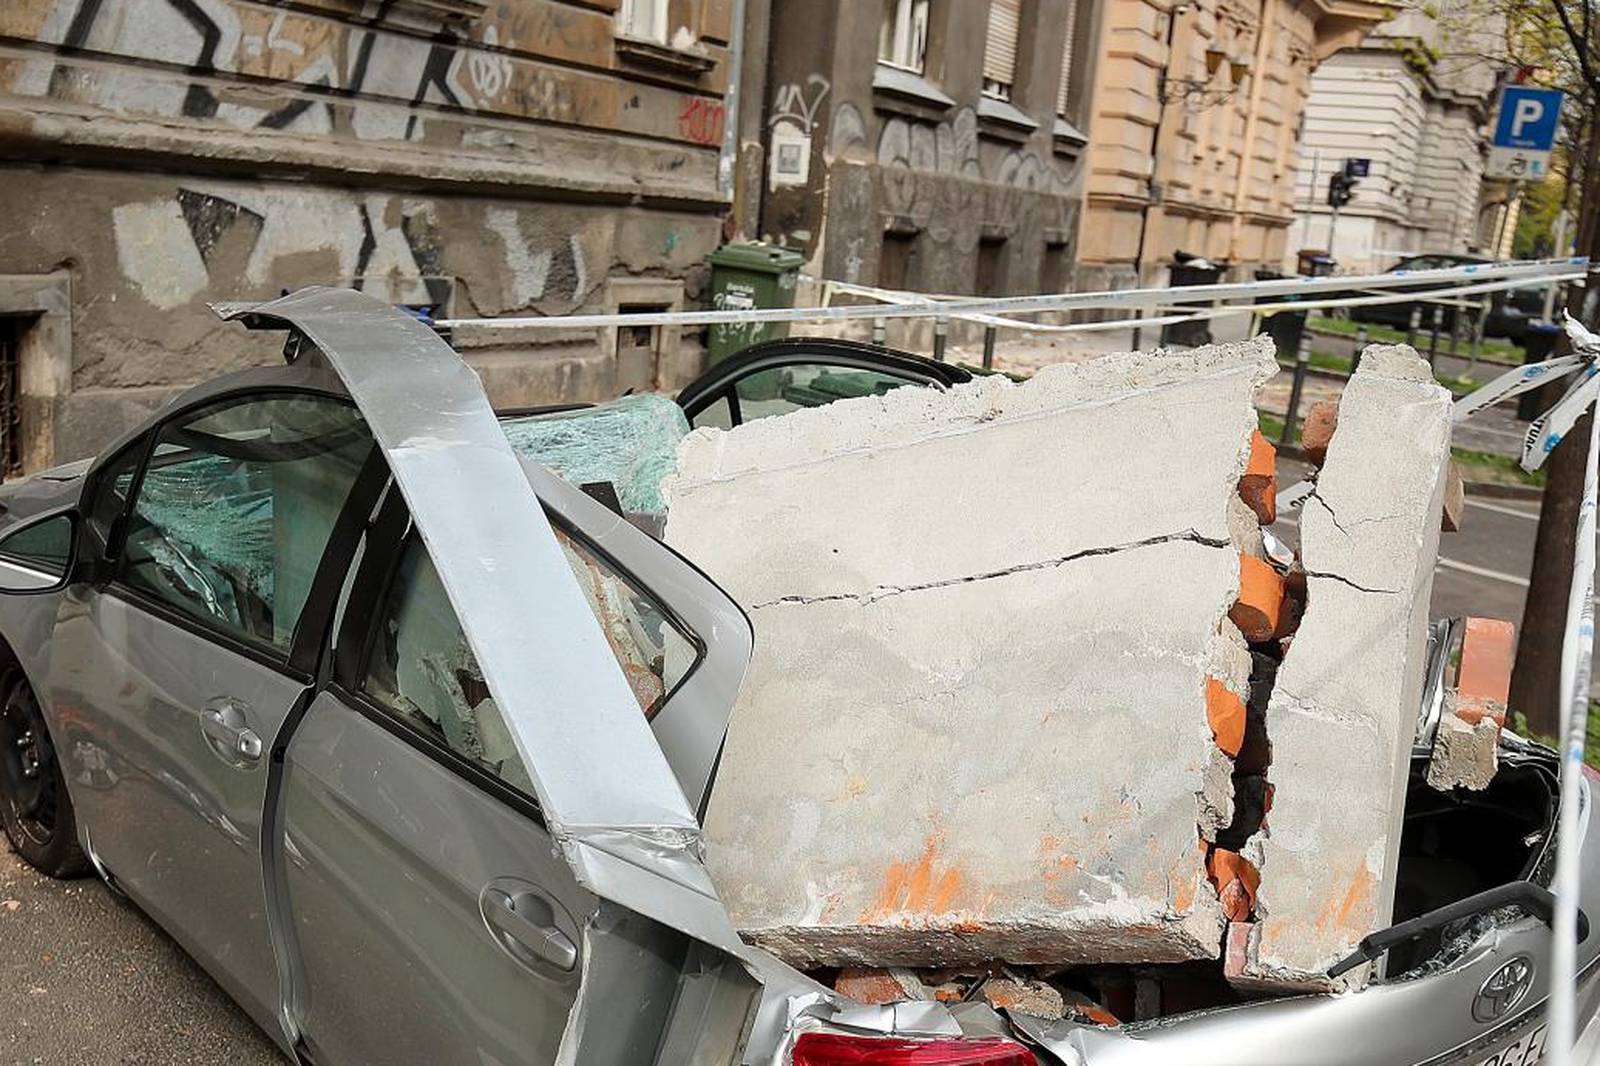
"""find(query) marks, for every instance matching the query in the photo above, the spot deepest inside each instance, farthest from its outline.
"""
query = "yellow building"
(1194, 129)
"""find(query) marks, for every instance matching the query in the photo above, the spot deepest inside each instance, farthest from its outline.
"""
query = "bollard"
(1302, 358)
(988, 347)
(1416, 324)
(1433, 341)
(1361, 346)
(941, 326)
(1455, 331)
(880, 331)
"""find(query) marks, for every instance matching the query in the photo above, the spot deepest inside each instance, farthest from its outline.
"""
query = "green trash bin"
(745, 277)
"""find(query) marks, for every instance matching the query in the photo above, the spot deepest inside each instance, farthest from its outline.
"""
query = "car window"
(46, 545)
(422, 669)
(111, 490)
(779, 390)
(235, 509)
(718, 413)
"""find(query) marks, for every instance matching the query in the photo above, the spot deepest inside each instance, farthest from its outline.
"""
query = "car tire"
(35, 807)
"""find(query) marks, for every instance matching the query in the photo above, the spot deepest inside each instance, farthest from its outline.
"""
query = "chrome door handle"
(228, 733)
(525, 925)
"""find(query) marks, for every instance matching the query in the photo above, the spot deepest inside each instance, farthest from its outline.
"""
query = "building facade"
(1193, 136)
(933, 146)
(1412, 99)
(470, 158)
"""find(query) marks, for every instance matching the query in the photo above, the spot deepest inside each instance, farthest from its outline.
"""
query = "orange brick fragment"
(1236, 879)
(1259, 610)
(1259, 485)
(1226, 713)
(1317, 431)
(871, 986)
(1484, 682)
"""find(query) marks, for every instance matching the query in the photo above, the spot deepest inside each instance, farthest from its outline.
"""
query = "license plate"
(1527, 1051)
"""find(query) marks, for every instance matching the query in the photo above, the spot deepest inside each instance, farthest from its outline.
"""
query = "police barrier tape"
(1504, 275)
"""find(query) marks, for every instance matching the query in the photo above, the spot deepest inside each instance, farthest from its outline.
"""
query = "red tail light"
(833, 1049)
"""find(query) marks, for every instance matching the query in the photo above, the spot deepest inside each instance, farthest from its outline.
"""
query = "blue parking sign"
(1528, 118)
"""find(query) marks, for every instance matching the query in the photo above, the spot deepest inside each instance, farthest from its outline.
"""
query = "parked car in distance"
(1510, 310)
(404, 738)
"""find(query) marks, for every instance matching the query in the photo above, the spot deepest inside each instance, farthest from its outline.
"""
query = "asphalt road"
(86, 980)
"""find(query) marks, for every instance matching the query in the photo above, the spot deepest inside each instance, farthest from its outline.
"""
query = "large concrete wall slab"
(975, 724)
(1344, 707)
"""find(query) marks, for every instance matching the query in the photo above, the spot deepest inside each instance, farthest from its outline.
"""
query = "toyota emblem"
(1503, 990)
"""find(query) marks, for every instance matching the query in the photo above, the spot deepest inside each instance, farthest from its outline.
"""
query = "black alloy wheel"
(35, 808)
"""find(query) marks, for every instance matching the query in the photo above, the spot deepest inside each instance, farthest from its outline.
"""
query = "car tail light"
(834, 1049)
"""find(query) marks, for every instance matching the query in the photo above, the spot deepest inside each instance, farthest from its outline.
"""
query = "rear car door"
(778, 377)
(176, 667)
(434, 918)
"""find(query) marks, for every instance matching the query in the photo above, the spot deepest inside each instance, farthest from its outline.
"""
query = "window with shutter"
(1065, 85)
(1000, 48)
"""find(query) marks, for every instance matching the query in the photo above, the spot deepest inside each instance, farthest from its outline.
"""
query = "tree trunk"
(1536, 678)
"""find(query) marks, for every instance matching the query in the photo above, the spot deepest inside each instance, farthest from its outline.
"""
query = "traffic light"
(1344, 180)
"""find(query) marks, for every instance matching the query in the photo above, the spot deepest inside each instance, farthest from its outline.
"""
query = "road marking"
(1499, 509)
(1468, 568)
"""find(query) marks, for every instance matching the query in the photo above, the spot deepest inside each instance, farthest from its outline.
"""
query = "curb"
(1495, 490)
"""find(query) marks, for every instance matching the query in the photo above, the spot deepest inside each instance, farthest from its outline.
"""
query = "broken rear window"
(422, 669)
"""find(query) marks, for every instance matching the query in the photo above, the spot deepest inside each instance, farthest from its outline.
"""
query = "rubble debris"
(876, 985)
(1236, 879)
(1466, 748)
(925, 766)
(1317, 430)
(1025, 996)
(1342, 711)
(1455, 499)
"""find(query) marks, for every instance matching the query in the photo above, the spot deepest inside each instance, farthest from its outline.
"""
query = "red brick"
(1226, 712)
(1317, 430)
(1259, 485)
(1259, 610)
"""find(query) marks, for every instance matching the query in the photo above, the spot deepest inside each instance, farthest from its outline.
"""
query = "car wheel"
(34, 805)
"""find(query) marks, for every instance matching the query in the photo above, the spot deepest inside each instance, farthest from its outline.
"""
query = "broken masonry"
(1027, 691)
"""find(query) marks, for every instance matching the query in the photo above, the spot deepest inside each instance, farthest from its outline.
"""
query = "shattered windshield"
(423, 669)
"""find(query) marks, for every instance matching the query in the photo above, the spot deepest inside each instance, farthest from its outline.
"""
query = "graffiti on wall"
(321, 75)
(211, 237)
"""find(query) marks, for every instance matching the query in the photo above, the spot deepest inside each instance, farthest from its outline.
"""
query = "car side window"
(422, 669)
(781, 389)
(236, 506)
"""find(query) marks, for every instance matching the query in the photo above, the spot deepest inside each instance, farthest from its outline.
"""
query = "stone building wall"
(918, 179)
(1194, 129)
(477, 159)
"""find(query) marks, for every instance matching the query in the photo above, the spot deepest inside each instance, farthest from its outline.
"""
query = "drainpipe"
(1264, 34)
(728, 157)
(1179, 8)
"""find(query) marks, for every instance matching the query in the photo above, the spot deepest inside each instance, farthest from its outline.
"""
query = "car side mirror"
(38, 555)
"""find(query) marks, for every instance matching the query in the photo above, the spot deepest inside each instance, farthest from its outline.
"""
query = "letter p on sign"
(1528, 112)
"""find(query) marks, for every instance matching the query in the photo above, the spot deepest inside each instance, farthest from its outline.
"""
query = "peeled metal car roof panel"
(590, 754)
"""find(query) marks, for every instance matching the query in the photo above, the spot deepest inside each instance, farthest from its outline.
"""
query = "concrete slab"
(975, 724)
(1344, 707)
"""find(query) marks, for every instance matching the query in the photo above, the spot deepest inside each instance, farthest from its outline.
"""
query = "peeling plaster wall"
(483, 159)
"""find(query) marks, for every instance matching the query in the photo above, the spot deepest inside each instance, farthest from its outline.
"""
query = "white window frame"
(903, 43)
(645, 20)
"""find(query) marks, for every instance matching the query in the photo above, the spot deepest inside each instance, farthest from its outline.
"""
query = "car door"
(434, 919)
(174, 669)
(782, 376)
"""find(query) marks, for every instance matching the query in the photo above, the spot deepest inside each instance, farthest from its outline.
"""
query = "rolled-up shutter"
(1000, 46)
(1066, 59)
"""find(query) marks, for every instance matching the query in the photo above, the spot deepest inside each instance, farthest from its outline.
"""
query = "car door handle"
(524, 923)
(228, 733)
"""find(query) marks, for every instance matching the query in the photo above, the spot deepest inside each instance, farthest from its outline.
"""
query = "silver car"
(405, 738)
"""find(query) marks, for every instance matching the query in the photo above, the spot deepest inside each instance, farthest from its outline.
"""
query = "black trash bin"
(1190, 269)
(1285, 327)
(1537, 344)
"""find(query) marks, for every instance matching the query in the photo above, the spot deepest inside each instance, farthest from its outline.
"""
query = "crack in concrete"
(885, 591)
(1352, 584)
